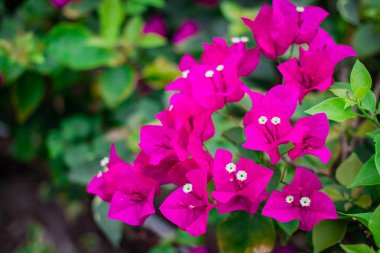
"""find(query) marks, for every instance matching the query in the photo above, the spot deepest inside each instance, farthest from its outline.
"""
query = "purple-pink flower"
(239, 186)
(60, 3)
(276, 29)
(267, 124)
(186, 30)
(188, 206)
(301, 200)
(156, 24)
(309, 137)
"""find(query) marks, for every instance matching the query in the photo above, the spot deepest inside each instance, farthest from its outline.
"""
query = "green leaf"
(369, 102)
(183, 238)
(116, 85)
(360, 80)
(27, 95)
(70, 45)
(289, 227)
(377, 154)
(328, 233)
(366, 40)
(348, 169)
(132, 30)
(241, 233)
(152, 40)
(111, 15)
(368, 175)
(334, 109)
(374, 225)
(349, 10)
(357, 248)
(163, 249)
(111, 228)
(362, 217)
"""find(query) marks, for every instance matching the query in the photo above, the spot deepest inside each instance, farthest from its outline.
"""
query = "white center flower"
(104, 161)
(231, 167)
(300, 9)
(244, 39)
(185, 73)
(262, 120)
(305, 201)
(241, 175)
(187, 188)
(99, 174)
(289, 199)
(220, 68)
(170, 107)
(209, 73)
(235, 39)
(275, 120)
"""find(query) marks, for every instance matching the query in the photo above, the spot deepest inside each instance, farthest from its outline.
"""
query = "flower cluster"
(173, 152)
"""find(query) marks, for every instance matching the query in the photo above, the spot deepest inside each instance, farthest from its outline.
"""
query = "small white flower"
(187, 188)
(275, 120)
(289, 199)
(305, 201)
(170, 107)
(241, 175)
(235, 39)
(244, 39)
(209, 73)
(99, 174)
(231, 167)
(262, 120)
(104, 161)
(220, 68)
(300, 9)
(185, 73)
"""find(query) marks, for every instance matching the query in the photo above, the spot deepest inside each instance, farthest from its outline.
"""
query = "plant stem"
(367, 116)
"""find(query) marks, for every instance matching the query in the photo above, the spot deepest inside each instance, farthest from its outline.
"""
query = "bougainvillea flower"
(200, 249)
(188, 206)
(335, 52)
(156, 25)
(267, 124)
(313, 71)
(239, 186)
(309, 137)
(132, 201)
(277, 28)
(98, 186)
(301, 200)
(218, 51)
(187, 30)
(61, 3)
(207, 2)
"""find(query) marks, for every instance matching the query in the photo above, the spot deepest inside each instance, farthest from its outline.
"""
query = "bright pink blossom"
(267, 123)
(132, 201)
(187, 30)
(188, 206)
(156, 25)
(313, 71)
(61, 3)
(239, 186)
(309, 137)
(334, 52)
(207, 2)
(98, 186)
(301, 200)
(277, 28)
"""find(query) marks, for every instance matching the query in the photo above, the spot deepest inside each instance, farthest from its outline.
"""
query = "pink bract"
(188, 206)
(239, 186)
(187, 30)
(156, 25)
(301, 200)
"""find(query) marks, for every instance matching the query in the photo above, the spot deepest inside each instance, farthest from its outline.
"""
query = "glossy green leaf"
(368, 175)
(369, 102)
(349, 10)
(289, 227)
(116, 85)
(356, 248)
(111, 14)
(360, 80)
(328, 233)
(377, 154)
(70, 45)
(362, 217)
(111, 228)
(241, 233)
(334, 109)
(348, 169)
(374, 225)
(152, 40)
(27, 96)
